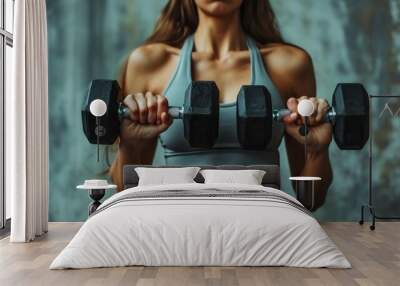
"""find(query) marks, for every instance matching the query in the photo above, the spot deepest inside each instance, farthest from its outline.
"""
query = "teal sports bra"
(173, 148)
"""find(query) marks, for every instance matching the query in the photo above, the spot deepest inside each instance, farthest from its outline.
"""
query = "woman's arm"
(140, 152)
(316, 162)
(138, 138)
(292, 71)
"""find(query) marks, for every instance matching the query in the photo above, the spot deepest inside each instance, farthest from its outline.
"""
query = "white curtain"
(27, 124)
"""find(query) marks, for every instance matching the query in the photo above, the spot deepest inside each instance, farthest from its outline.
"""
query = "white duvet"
(183, 231)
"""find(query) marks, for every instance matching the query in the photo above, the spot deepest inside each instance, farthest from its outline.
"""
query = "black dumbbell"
(200, 113)
(255, 117)
(349, 116)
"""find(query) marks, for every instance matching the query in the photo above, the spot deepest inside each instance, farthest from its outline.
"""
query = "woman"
(233, 43)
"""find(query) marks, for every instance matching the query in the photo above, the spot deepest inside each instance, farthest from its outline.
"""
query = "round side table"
(96, 193)
(305, 190)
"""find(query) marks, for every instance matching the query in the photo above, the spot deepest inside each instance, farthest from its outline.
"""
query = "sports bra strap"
(182, 72)
(257, 65)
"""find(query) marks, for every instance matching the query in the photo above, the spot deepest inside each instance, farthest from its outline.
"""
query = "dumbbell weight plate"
(254, 117)
(351, 105)
(201, 114)
(108, 91)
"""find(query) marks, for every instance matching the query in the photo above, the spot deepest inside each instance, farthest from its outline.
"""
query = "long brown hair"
(179, 19)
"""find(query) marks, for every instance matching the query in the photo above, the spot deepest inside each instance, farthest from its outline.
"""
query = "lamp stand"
(370, 206)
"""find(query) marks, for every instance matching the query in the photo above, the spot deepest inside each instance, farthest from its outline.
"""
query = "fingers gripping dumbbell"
(349, 116)
(101, 114)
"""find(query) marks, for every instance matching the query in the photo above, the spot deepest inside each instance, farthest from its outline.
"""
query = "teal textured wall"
(349, 40)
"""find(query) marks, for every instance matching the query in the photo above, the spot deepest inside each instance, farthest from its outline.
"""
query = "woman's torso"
(246, 67)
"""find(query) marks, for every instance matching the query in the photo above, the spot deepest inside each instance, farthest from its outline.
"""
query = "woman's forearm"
(140, 152)
(318, 164)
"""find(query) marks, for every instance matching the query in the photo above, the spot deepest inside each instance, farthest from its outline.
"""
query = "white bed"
(223, 225)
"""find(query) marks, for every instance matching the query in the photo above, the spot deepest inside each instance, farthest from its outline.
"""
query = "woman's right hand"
(148, 117)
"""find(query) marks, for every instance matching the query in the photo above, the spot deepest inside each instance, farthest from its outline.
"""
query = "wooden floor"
(375, 257)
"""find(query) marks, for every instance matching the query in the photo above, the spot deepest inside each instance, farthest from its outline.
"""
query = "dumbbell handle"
(278, 115)
(175, 112)
(305, 108)
(330, 116)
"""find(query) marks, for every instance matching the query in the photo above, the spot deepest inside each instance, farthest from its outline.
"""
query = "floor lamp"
(370, 206)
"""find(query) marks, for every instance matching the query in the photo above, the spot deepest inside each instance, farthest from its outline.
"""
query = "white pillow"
(165, 176)
(248, 177)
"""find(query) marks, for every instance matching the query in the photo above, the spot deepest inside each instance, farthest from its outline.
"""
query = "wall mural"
(349, 41)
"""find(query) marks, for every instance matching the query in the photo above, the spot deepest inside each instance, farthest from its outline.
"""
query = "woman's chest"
(229, 75)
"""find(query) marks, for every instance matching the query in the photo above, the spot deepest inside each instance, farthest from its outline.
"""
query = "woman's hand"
(319, 132)
(148, 117)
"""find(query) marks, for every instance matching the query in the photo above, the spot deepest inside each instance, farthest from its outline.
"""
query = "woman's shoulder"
(286, 58)
(150, 57)
(290, 68)
(148, 66)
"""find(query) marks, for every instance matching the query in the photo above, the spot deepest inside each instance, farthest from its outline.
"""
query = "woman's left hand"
(319, 133)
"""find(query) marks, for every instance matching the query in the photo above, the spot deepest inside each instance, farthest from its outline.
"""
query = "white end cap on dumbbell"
(98, 107)
(305, 107)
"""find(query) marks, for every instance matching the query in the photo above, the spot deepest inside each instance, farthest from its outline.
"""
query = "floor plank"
(374, 255)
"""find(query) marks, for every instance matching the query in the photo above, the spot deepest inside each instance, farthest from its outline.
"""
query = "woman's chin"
(219, 9)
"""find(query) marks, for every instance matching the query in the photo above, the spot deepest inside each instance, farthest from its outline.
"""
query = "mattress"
(201, 225)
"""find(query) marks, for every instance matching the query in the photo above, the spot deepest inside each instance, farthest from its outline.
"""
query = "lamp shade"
(305, 107)
(98, 107)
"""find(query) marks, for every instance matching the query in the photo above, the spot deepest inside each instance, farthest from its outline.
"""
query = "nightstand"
(304, 188)
(96, 190)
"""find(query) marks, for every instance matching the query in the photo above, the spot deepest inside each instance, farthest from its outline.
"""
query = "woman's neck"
(219, 35)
